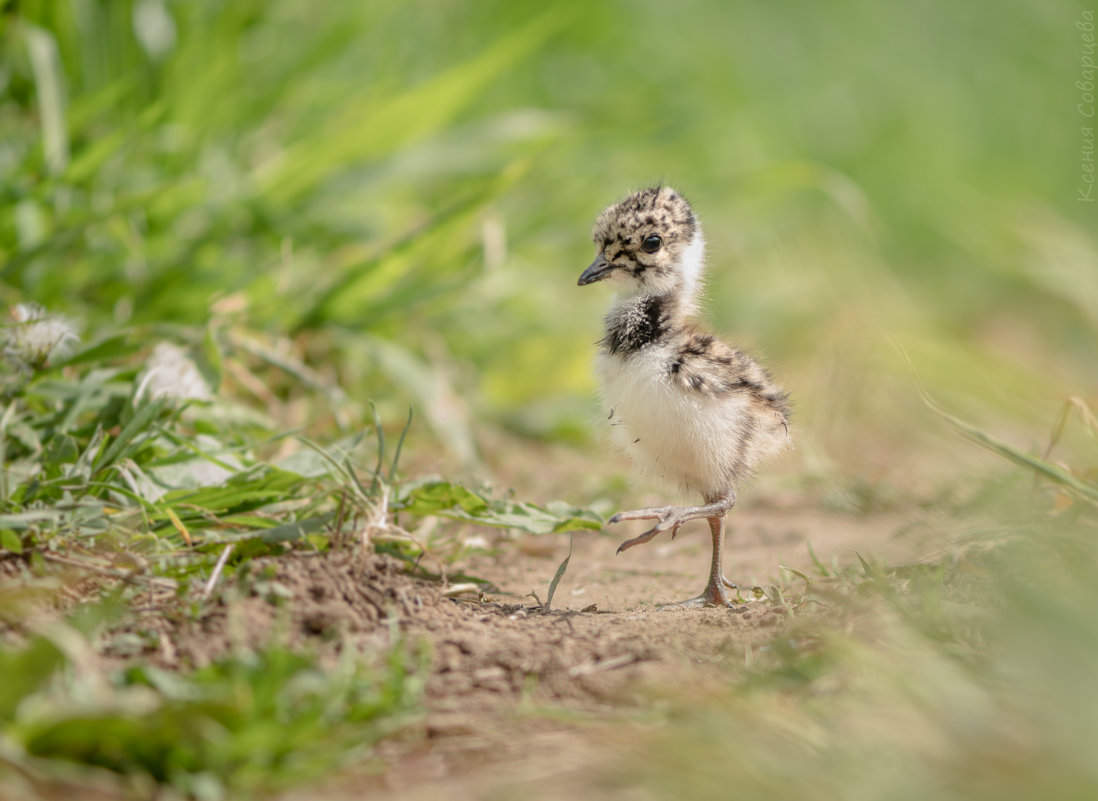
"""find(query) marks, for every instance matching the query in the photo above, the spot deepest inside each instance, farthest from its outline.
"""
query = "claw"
(639, 540)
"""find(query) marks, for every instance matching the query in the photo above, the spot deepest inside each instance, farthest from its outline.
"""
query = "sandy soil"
(519, 700)
(599, 674)
(517, 695)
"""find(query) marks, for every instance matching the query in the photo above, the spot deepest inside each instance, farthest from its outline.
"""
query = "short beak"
(596, 271)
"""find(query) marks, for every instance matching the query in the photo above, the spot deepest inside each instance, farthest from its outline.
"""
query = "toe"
(669, 522)
(640, 540)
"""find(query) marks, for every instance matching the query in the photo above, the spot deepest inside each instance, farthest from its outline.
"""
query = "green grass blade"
(400, 446)
(49, 85)
(375, 126)
(380, 432)
(561, 569)
(122, 444)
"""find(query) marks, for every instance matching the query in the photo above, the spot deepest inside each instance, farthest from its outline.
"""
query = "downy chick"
(690, 409)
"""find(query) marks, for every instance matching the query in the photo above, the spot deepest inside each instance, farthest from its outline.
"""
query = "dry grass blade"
(1090, 423)
(1074, 486)
(221, 561)
(593, 666)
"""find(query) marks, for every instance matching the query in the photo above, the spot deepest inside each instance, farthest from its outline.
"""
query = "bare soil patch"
(513, 692)
(483, 651)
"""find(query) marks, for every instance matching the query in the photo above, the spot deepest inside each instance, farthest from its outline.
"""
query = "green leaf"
(105, 350)
(365, 131)
(432, 497)
(816, 561)
(869, 571)
(21, 521)
(446, 499)
(209, 359)
(119, 447)
(62, 449)
(26, 670)
(240, 494)
(289, 532)
(558, 576)
(400, 446)
(49, 82)
(222, 727)
(250, 521)
(314, 461)
(10, 541)
(82, 396)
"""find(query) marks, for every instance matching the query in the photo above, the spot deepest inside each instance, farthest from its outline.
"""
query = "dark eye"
(651, 243)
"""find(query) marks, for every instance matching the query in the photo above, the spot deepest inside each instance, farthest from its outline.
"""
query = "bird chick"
(690, 409)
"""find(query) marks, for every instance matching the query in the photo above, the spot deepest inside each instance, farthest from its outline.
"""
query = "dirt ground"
(520, 701)
(517, 696)
(494, 735)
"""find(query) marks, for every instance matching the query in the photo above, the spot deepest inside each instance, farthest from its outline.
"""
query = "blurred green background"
(338, 203)
(402, 192)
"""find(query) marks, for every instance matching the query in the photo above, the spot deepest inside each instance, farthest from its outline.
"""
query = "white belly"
(674, 435)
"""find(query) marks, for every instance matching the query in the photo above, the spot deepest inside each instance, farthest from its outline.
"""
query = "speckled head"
(649, 243)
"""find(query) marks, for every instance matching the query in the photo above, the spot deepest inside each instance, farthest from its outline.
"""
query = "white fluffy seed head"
(35, 337)
(170, 373)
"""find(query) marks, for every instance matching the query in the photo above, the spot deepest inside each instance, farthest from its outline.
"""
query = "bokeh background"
(338, 204)
(404, 191)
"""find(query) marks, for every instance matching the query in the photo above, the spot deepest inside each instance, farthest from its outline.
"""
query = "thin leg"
(714, 593)
(670, 518)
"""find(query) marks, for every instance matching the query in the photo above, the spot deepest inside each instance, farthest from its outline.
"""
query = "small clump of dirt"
(325, 602)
